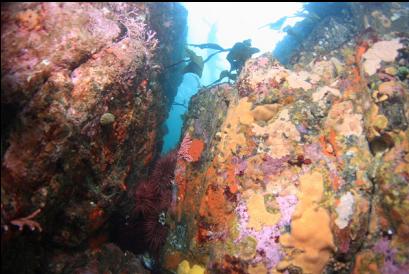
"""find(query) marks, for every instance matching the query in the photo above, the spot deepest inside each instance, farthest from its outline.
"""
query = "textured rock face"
(82, 104)
(334, 24)
(306, 171)
(107, 259)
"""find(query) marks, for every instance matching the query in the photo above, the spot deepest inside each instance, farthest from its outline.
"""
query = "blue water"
(226, 29)
(174, 123)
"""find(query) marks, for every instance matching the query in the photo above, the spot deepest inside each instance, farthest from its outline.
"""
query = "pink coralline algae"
(268, 249)
(263, 62)
(240, 165)
(313, 152)
(382, 246)
(389, 266)
(273, 166)
(287, 206)
(137, 29)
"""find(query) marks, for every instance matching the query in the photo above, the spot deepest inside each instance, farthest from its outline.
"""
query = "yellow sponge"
(184, 268)
(197, 269)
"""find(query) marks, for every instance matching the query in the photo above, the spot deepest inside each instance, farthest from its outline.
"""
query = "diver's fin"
(207, 46)
(213, 54)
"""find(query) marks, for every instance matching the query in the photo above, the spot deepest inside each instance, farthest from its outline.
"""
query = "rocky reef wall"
(333, 24)
(84, 91)
(301, 170)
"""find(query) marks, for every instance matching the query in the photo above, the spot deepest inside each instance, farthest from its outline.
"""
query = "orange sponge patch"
(196, 149)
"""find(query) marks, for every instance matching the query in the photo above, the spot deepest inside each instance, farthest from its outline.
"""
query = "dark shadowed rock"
(83, 100)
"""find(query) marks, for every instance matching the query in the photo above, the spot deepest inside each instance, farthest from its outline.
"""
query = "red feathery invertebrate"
(183, 152)
(190, 150)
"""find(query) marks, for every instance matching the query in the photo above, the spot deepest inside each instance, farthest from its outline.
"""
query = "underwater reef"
(300, 166)
(304, 169)
(83, 98)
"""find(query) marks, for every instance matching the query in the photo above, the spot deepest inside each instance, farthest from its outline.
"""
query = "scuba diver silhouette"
(239, 54)
(237, 57)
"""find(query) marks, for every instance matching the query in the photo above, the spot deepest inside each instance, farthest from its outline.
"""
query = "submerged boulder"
(82, 104)
(305, 171)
